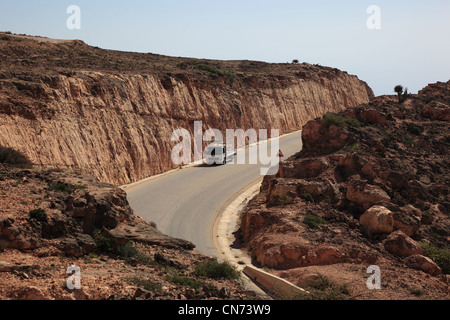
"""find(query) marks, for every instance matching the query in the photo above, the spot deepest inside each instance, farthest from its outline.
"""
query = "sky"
(410, 44)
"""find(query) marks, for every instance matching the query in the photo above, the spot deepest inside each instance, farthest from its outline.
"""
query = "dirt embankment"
(369, 188)
(51, 220)
(111, 114)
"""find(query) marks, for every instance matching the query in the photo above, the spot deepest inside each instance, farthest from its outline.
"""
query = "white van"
(217, 154)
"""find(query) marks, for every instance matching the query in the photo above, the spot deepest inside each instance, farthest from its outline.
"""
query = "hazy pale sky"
(412, 47)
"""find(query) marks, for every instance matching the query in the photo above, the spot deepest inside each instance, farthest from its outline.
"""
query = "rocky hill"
(111, 114)
(370, 187)
(51, 220)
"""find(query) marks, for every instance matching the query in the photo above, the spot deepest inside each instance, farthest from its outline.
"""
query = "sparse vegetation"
(342, 121)
(313, 221)
(439, 255)
(189, 282)
(214, 269)
(308, 197)
(14, 158)
(67, 187)
(124, 251)
(295, 61)
(38, 214)
(215, 72)
(403, 95)
(414, 129)
(408, 141)
(417, 292)
(355, 148)
(146, 284)
(284, 200)
(324, 289)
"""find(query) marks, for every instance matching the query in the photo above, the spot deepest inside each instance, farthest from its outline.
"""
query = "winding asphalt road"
(185, 203)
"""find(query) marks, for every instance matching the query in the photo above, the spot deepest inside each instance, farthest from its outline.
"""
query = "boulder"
(348, 166)
(70, 247)
(436, 110)
(374, 117)
(400, 244)
(305, 168)
(314, 188)
(377, 220)
(364, 194)
(408, 219)
(144, 233)
(280, 188)
(321, 139)
(424, 264)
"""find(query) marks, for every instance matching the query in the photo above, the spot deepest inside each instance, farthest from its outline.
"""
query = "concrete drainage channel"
(253, 278)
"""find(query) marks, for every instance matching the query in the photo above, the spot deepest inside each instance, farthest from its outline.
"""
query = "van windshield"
(216, 151)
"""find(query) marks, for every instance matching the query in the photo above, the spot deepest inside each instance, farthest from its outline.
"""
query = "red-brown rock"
(424, 264)
(400, 244)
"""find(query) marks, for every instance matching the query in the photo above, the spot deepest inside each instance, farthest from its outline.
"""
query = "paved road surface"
(185, 204)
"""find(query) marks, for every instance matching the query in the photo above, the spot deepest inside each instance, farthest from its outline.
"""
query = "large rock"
(400, 244)
(365, 195)
(408, 219)
(320, 138)
(144, 233)
(20, 237)
(279, 188)
(436, 110)
(424, 264)
(377, 220)
(374, 117)
(305, 168)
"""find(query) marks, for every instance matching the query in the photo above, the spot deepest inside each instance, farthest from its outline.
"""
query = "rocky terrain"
(370, 187)
(111, 114)
(51, 220)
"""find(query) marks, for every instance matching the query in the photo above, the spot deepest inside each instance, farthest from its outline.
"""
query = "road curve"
(185, 203)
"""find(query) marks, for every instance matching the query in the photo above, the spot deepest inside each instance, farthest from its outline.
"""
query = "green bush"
(146, 284)
(356, 148)
(342, 121)
(215, 72)
(324, 289)
(67, 187)
(284, 200)
(14, 158)
(188, 282)
(214, 269)
(307, 197)
(415, 130)
(104, 244)
(39, 215)
(417, 292)
(124, 251)
(439, 255)
(313, 221)
(402, 95)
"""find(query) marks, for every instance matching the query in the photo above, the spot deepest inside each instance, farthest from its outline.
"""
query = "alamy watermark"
(238, 147)
(374, 20)
(374, 281)
(73, 22)
(74, 281)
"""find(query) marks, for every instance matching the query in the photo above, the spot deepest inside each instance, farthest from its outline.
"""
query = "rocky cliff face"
(111, 114)
(370, 187)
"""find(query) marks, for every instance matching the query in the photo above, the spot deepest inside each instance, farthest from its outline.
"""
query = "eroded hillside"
(371, 187)
(51, 220)
(111, 114)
